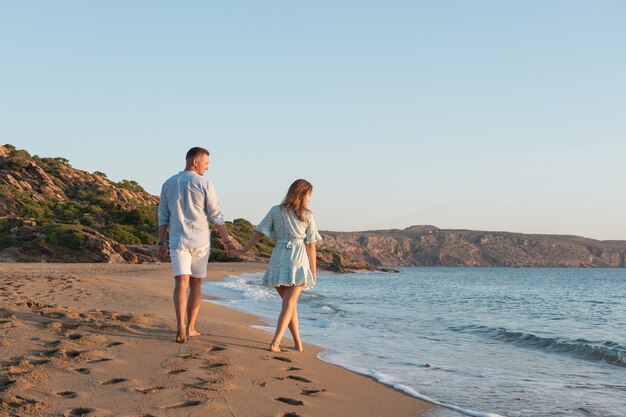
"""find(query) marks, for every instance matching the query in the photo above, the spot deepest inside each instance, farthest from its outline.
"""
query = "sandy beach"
(98, 340)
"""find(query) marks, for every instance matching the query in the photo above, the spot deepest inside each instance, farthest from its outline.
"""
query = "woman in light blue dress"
(292, 266)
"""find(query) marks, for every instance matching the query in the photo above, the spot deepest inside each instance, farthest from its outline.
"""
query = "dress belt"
(290, 243)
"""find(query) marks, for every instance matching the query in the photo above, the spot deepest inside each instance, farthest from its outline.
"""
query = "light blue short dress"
(289, 263)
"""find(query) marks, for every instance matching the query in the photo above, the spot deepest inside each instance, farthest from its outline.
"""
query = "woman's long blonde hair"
(295, 200)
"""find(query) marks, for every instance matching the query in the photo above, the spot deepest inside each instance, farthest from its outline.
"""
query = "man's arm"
(161, 245)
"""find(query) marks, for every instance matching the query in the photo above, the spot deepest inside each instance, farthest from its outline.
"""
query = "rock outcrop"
(430, 246)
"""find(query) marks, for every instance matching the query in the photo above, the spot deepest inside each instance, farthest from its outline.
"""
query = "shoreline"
(98, 339)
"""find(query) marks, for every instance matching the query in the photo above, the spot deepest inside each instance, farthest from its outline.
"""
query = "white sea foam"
(248, 286)
(392, 381)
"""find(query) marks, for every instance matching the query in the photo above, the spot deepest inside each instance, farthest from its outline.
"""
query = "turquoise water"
(484, 341)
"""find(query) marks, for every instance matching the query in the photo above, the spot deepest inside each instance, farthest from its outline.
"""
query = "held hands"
(237, 252)
(231, 248)
(161, 251)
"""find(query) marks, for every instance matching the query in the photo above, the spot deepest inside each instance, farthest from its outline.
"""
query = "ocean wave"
(598, 351)
(394, 382)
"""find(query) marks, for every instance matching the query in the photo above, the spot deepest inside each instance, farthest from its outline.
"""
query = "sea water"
(511, 342)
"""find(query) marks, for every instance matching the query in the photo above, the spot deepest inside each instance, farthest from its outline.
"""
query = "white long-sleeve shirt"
(188, 200)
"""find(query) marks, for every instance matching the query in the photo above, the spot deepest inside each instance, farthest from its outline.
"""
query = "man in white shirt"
(188, 201)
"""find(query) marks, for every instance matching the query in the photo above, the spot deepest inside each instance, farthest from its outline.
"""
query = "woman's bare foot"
(181, 336)
(274, 346)
(193, 333)
(299, 347)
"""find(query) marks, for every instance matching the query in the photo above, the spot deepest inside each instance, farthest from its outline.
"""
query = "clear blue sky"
(493, 115)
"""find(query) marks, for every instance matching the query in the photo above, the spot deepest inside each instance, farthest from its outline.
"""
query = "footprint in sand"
(54, 314)
(79, 412)
(185, 405)
(217, 348)
(112, 344)
(289, 415)
(50, 353)
(114, 381)
(67, 394)
(176, 371)
(289, 401)
(299, 378)
(293, 368)
(26, 403)
(83, 371)
(282, 358)
(191, 356)
(72, 354)
(309, 392)
(100, 360)
(7, 324)
(5, 383)
(214, 366)
(150, 390)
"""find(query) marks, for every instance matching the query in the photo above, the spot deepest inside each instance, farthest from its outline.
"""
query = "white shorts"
(190, 261)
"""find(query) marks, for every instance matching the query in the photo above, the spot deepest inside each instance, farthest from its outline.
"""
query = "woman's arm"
(312, 254)
(253, 241)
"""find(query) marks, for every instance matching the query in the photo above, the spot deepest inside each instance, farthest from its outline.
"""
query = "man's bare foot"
(181, 336)
(274, 346)
(193, 333)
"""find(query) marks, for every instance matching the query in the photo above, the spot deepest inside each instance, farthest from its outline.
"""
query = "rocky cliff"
(430, 246)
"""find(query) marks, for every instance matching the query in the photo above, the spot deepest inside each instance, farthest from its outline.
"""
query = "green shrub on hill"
(7, 225)
(130, 185)
(29, 207)
(95, 196)
(130, 234)
(90, 221)
(6, 241)
(122, 233)
(53, 166)
(19, 159)
(140, 216)
(145, 234)
(65, 235)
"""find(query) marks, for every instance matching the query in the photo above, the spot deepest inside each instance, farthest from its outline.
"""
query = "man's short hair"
(195, 152)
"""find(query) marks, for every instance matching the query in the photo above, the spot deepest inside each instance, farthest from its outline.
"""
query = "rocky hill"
(430, 246)
(52, 212)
